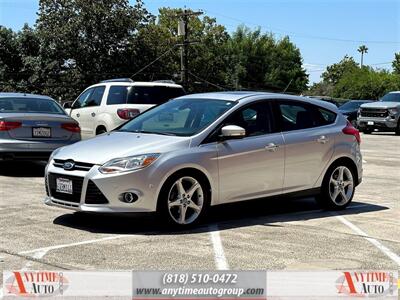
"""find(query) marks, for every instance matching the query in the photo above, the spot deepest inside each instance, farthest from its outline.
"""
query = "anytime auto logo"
(367, 284)
(35, 283)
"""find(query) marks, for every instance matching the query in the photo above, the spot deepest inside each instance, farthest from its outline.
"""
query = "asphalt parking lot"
(263, 234)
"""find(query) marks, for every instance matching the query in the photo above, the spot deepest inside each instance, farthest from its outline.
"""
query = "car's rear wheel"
(183, 200)
(338, 187)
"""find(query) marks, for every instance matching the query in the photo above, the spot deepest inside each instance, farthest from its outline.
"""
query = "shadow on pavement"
(22, 168)
(258, 212)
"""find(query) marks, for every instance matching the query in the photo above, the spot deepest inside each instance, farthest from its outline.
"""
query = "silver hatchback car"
(200, 150)
(33, 126)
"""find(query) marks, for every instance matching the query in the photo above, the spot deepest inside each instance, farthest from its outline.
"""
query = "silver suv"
(200, 150)
(383, 115)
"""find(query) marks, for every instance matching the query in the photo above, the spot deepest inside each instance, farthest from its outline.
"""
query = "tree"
(334, 72)
(10, 60)
(366, 83)
(83, 42)
(257, 61)
(396, 63)
(363, 50)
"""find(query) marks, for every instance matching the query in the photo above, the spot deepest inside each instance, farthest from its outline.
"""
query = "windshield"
(181, 117)
(352, 105)
(392, 97)
(30, 105)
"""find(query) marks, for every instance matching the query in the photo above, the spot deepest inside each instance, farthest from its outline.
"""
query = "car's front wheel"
(338, 187)
(183, 200)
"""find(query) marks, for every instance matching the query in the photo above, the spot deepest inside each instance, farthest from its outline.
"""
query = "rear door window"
(142, 94)
(297, 115)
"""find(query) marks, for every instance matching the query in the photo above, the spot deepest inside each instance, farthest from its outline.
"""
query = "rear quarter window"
(142, 94)
(325, 117)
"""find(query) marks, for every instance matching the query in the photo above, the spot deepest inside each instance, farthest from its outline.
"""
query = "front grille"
(80, 166)
(374, 113)
(77, 183)
(94, 195)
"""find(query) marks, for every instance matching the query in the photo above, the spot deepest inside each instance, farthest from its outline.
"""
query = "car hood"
(381, 104)
(105, 147)
(346, 111)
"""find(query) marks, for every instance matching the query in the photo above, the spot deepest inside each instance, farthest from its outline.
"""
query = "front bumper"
(389, 123)
(111, 188)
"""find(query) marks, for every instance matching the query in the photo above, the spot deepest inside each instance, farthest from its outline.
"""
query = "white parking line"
(47, 249)
(393, 256)
(219, 255)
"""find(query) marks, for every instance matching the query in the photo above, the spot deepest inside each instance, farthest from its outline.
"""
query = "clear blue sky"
(324, 30)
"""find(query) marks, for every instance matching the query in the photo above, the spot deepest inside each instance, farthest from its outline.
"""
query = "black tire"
(398, 128)
(101, 130)
(169, 194)
(324, 199)
(367, 130)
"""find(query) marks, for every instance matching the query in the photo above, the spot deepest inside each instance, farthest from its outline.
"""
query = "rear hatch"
(38, 126)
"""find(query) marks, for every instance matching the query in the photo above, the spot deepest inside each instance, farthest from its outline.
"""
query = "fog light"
(129, 197)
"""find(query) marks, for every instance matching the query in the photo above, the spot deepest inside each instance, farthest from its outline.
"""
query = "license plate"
(64, 186)
(370, 123)
(41, 132)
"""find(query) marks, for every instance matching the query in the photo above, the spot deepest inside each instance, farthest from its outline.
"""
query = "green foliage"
(366, 83)
(396, 63)
(76, 43)
(336, 71)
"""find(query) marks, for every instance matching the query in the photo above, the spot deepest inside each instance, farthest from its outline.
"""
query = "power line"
(154, 61)
(303, 35)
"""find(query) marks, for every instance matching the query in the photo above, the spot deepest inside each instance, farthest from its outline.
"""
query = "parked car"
(327, 99)
(350, 110)
(208, 149)
(105, 106)
(383, 115)
(32, 126)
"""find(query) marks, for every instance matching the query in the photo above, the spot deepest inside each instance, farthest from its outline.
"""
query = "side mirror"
(67, 104)
(232, 132)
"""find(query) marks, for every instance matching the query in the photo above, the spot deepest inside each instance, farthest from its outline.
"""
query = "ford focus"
(201, 150)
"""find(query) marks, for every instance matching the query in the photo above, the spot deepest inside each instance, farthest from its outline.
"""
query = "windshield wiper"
(152, 132)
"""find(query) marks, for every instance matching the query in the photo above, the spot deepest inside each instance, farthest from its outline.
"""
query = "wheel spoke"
(194, 206)
(179, 185)
(344, 196)
(182, 214)
(174, 203)
(193, 189)
(340, 176)
(347, 182)
(335, 194)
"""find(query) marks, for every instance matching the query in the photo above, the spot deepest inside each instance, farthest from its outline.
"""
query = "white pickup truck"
(105, 106)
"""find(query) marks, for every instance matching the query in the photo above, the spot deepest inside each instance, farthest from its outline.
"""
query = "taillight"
(73, 127)
(127, 113)
(6, 125)
(350, 130)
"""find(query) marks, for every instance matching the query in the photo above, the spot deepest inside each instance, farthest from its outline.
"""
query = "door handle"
(78, 115)
(322, 139)
(271, 147)
(93, 114)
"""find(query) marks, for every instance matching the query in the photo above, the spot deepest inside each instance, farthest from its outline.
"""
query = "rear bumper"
(28, 150)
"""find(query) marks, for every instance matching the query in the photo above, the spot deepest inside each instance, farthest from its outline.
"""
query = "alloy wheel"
(341, 185)
(185, 200)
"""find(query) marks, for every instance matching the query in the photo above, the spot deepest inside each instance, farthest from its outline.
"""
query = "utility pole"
(183, 30)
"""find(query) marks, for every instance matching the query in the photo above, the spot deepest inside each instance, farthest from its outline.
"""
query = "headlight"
(130, 163)
(393, 111)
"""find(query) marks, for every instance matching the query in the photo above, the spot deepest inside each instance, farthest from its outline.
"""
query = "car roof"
(23, 95)
(239, 96)
(136, 83)
(394, 92)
